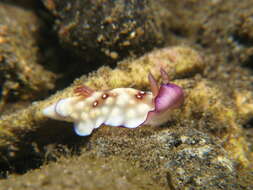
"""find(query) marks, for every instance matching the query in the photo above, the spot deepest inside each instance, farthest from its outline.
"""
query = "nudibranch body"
(126, 107)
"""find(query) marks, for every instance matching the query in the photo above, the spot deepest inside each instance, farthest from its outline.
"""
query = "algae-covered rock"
(244, 35)
(22, 77)
(199, 23)
(207, 143)
(199, 146)
(177, 156)
(105, 30)
(130, 73)
(83, 173)
(16, 128)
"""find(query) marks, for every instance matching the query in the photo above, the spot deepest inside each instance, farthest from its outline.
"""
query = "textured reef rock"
(99, 173)
(21, 75)
(177, 61)
(203, 144)
(177, 157)
(207, 143)
(99, 30)
(201, 24)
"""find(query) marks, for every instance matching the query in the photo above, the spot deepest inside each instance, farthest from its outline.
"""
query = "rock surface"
(22, 77)
(104, 30)
(83, 173)
(207, 143)
(177, 157)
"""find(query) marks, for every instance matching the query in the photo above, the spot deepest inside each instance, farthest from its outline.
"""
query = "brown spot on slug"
(140, 95)
(95, 103)
(104, 96)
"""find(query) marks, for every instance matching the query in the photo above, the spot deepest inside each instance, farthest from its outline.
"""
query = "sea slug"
(126, 107)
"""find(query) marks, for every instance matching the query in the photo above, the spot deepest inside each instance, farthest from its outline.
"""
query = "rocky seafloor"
(49, 47)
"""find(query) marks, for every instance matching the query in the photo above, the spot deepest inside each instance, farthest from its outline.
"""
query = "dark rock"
(178, 158)
(104, 31)
(22, 77)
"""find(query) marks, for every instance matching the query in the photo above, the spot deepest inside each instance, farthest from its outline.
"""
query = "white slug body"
(126, 107)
